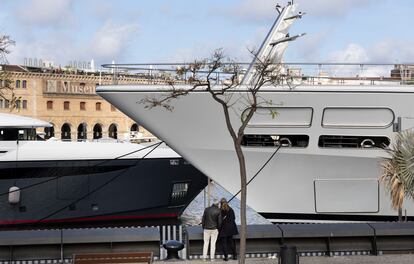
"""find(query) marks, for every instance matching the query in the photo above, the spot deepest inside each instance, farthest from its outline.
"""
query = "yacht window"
(281, 117)
(273, 140)
(179, 193)
(17, 134)
(357, 117)
(365, 142)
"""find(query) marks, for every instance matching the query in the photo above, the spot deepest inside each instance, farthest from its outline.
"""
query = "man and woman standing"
(219, 222)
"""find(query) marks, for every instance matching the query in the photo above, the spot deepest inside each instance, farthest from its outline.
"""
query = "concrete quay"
(383, 259)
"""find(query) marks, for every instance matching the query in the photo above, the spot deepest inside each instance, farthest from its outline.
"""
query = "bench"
(63, 244)
(128, 257)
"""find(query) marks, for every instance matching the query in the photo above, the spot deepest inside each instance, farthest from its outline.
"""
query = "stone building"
(68, 101)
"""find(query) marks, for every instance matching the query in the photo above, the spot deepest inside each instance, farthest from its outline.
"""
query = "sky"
(138, 31)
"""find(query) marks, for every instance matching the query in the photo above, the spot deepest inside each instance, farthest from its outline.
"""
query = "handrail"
(310, 73)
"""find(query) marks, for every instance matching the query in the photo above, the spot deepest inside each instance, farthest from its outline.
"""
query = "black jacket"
(211, 218)
(228, 225)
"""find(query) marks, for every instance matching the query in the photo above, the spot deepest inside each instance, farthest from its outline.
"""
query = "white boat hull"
(310, 182)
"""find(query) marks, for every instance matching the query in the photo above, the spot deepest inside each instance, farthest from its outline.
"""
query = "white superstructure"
(332, 132)
(29, 149)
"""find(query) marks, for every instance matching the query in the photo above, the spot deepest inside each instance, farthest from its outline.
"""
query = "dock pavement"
(383, 259)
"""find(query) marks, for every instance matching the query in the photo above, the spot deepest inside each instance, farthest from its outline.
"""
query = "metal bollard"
(288, 255)
(172, 247)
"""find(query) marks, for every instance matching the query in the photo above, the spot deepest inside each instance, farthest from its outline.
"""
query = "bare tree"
(398, 170)
(6, 88)
(204, 76)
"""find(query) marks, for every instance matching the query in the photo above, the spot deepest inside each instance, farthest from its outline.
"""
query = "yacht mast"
(276, 41)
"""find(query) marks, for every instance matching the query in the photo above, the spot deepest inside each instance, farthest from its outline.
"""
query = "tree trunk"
(243, 200)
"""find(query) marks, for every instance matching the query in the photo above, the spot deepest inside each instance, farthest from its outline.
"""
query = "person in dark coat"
(227, 230)
(211, 223)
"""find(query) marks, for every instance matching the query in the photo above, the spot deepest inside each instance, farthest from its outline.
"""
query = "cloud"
(353, 53)
(111, 40)
(50, 49)
(254, 10)
(44, 12)
(309, 47)
(384, 51)
(333, 8)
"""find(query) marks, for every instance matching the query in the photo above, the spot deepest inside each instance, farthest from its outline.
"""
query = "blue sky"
(130, 31)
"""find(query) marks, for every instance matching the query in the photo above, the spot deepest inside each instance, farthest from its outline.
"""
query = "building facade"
(68, 101)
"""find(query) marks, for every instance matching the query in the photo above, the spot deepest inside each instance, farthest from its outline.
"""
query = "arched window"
(97, 131)
(18, 84)
(135, 128)
(49, 132)
(65, 132)
(24, 84)
(113, 131)
(98, 106)
(24, 104)
(82, 132)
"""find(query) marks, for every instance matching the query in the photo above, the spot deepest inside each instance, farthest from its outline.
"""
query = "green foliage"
(398, 170)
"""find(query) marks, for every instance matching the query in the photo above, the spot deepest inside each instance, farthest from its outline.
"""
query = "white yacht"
(94, 183)
(332, 132)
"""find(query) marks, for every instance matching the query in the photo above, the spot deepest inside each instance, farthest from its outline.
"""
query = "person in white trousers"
(211, 222)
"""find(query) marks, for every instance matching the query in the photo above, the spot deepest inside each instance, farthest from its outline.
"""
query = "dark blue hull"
(92, 192)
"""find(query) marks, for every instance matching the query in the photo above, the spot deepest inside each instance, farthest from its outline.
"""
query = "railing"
(295, 73)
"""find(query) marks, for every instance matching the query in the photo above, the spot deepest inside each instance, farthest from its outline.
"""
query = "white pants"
(210, 234)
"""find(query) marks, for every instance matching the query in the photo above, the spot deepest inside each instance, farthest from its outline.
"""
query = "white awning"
(17, 121)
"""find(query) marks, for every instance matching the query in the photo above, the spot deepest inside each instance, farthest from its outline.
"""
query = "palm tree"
(398, 169)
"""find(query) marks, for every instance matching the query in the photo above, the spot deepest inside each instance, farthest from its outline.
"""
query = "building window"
(24, 84)
(49, 132)
(6, 103)
(17, 84)
(65, 132)
(113, 131)
(49, 105)
(24, 105)
(66, 105)
(82, 106)
(18, 104)
(113, 109)
(97, 131)
(82, 132)
(1, 103)
(134, 128)
(98, 106)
